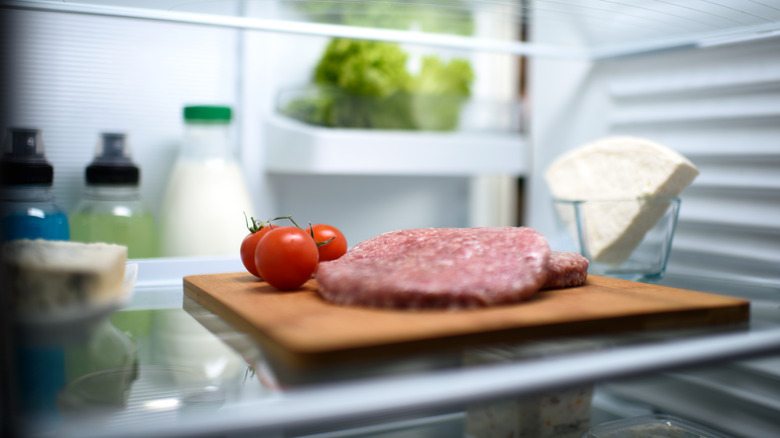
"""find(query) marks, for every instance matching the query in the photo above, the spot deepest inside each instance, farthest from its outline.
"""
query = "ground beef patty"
(438, 268)
(566, 269)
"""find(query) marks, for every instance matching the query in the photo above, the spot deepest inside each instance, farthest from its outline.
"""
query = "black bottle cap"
(23, 159)
(112, 163)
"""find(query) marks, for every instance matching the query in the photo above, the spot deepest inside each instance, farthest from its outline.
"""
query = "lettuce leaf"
(363, 68)
(366, 84)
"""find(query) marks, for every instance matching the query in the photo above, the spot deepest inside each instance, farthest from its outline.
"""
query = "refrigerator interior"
(702, 77)
(133, 75)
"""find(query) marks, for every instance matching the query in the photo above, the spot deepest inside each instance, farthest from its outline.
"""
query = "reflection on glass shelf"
(568, 29)
(182, 371)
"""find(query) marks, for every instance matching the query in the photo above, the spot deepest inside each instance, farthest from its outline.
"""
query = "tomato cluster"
(287, 256)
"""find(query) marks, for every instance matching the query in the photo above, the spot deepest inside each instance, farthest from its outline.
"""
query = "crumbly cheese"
(619, 168)
(555, 414)
(44, 276)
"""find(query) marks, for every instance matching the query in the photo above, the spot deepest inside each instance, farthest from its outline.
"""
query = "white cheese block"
(43, 276)
(619, 168)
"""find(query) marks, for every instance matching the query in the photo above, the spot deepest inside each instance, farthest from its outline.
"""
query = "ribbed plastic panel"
(719, 106)
(724, 116)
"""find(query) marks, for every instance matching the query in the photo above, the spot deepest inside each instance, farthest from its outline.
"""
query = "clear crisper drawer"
(295, 147)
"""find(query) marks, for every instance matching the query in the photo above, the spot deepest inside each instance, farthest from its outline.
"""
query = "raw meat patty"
(438, 268)
(566, 269)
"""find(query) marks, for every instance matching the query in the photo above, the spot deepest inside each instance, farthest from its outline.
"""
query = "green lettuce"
(439, 91)
(363, 68)
(433, 16)
(366, 84)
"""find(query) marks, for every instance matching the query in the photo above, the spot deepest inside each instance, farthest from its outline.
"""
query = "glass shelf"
(242, 391)
(594, 29)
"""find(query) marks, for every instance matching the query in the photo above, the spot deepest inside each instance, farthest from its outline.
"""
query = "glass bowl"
(656, 426)
(626, 238)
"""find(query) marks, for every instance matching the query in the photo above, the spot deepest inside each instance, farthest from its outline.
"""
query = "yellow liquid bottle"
(111, 210)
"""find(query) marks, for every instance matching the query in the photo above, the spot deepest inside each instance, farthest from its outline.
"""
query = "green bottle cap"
(207, 113)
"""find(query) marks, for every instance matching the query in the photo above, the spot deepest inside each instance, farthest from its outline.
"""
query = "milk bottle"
(204, 203)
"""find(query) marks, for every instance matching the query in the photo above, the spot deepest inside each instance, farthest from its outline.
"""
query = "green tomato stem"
(319, 244)
(257, 226)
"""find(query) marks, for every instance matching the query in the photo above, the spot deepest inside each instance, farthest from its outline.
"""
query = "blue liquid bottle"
(28, 208)
(29, 212)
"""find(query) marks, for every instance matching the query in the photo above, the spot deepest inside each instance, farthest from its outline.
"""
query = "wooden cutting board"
(300, 328)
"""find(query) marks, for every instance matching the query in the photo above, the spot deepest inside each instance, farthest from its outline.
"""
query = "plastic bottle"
(29, 212)
(204, 204)
(28, 207)
(111, 210)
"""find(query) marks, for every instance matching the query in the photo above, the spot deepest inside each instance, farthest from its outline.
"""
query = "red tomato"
(333, 249)
(286, 257)
(248, 246)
